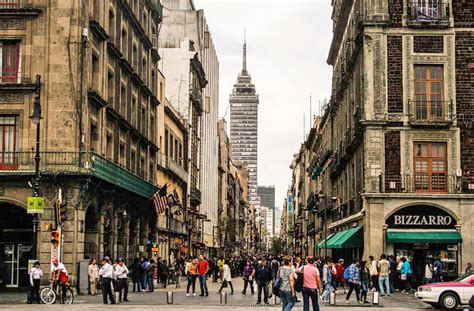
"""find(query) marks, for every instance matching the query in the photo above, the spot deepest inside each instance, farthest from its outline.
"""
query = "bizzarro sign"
(421, 217)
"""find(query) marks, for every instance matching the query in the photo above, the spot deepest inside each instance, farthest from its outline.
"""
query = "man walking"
(384, 269)
(203, 268)
(263, 275)
(353, 279)
(393, 272)
(327, 280)
(107, 274)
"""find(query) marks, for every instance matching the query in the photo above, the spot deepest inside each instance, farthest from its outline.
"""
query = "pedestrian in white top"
(93, 272)
(227, 280)
(121, 273)
(428, 272)
(35, 279)
(374, 275)
(107, 274)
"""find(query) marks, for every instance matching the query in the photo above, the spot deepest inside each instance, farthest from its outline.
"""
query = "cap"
(120, 259)
(105, 258)
(55, 260)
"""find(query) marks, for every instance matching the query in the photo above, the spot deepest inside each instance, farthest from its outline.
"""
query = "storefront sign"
(421, 217)
(35, 205)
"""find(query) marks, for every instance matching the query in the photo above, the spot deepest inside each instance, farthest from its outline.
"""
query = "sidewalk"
(159, 297)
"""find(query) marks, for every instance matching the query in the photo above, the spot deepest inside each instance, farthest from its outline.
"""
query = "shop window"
(430, 169)
(8, 142)
(429, 104)
(10, 70)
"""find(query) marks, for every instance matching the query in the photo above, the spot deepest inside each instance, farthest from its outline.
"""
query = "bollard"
(332, 298)
(223, 298)
(117, 297)
(375, 298)
(169, 298)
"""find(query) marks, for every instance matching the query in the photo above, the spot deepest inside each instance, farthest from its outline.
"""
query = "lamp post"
(35, 119)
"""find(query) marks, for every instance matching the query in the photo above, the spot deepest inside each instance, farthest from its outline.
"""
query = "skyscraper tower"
(244, 125)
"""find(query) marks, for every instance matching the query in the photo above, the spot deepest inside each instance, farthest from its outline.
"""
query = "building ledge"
(418, 196)
(17, 87)
(25, 12)
(98, 30)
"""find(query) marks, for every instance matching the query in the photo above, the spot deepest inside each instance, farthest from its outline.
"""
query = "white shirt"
(121, 272)
(373, 267)
(227, 274)
(60, 267)
(35, 274)
(428, 272)
(107, 271)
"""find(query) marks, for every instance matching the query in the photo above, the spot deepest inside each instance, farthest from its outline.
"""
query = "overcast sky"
(287, 44)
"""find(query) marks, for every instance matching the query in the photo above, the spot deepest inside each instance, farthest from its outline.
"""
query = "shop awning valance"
(422, 236)
(350, 238)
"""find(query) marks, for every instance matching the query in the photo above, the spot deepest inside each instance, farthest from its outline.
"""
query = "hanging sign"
(35, 205)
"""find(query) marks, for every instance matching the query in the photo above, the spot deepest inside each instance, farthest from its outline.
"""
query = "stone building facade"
(99, 94)
(392, 155)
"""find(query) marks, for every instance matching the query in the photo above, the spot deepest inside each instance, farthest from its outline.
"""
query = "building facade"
(267, 199)
(97, 135)
(391, 158)
(244, 126)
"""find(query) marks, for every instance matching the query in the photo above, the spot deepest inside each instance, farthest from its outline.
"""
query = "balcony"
(75, 163)
(175, 226)
(195, 196)
(421, 183)
(17, 9)
(431, 113)
(172, 167)
(427, 13)
(196, 97)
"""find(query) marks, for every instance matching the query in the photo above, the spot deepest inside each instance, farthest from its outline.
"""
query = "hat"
(105, 258)
(36, 262)
(120, 259)
(341, 260)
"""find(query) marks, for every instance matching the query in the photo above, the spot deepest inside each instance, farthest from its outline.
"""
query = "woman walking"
(93, 272)
(287, 286)
(365, 281)
(248, 273)
(192, 273)
(405, 273)
(227, 278)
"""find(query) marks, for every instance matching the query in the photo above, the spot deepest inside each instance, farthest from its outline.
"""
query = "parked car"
(448, 295)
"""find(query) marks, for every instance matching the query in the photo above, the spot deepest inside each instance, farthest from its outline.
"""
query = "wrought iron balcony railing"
(434, 183)
(431, 112)
(175, 225)
(75, 163)
(11, 4)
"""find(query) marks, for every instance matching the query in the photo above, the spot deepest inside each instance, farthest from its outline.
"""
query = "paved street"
(238, 301)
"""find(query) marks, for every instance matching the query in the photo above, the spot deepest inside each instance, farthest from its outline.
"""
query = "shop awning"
(350, 238)
(418, 236)
(321, 244)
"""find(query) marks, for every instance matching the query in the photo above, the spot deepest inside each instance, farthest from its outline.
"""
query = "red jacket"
(340, 272)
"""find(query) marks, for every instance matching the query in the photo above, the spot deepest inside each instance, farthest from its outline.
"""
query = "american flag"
(176, 203)
(160, 201)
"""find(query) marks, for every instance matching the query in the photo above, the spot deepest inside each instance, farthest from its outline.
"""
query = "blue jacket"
(406, 269)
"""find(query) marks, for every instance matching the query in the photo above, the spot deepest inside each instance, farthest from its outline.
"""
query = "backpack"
(346, 273)
(299, 281)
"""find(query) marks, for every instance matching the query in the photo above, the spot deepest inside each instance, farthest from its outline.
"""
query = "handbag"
(299, 281)
(225, 284)
(276, 284)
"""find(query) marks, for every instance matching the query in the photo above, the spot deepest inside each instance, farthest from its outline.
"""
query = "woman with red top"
(340, 275)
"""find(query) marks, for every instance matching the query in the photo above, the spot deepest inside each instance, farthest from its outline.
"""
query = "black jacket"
(263, 274)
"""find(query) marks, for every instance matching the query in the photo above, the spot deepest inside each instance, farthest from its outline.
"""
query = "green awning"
(350, 238)
(321, 244)
(418, 236)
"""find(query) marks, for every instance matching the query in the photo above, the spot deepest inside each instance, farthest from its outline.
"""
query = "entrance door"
(11, 253)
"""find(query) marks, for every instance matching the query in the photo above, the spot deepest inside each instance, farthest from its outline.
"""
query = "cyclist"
(59, 275)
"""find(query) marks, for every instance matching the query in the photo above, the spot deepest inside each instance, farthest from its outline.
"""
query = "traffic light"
(55, 237)
(62, 210)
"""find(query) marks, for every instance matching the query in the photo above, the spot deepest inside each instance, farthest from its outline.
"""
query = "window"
(134, 111)
(430, 167)
(143, 120)
(122, 155)
(133, 161)
(112, 26)
(10, 4)
(123, 42)
(123, 100)
(427, 9)
(110, 88)
(8, 142)
(429, 103)
(11, 65)
(109, 147)
(94, 138)
(95, 72)
(166, 142)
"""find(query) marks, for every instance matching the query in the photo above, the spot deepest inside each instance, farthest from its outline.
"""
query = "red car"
(448, 295)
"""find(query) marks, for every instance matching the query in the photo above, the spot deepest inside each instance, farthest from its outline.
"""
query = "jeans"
(384, 282)
(364, 289)
(327, 291)
(249, 283)
(313, 293)
(151, 285)
(287, 300)
(191, 282)
(143, 281)
(262, 286)
(353, 286)
(203, 284)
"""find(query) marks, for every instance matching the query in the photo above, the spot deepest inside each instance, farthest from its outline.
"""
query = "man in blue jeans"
(327, 281)
(203, 268)
(384, 271)
(311, 284)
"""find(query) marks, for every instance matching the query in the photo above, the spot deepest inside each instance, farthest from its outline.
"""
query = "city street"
(238, 301)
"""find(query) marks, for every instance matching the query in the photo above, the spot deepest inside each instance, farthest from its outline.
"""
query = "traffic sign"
(35, 205)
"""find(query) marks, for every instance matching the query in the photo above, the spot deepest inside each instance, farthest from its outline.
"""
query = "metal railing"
(11, 4)
(434, 183)
(174, 224)
(57, 162)
(427, 10)
(431, 111)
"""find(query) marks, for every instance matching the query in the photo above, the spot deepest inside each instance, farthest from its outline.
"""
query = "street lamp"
(35, 119)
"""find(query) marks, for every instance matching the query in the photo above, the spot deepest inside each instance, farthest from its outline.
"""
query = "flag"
(176, 205)
(160, 201)
(176, 197)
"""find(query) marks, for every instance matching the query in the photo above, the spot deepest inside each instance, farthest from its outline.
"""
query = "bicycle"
(49, 295)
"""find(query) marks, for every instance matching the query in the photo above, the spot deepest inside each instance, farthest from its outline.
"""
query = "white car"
(448, 295)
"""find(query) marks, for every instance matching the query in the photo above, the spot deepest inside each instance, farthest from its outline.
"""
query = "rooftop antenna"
(244, 67)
